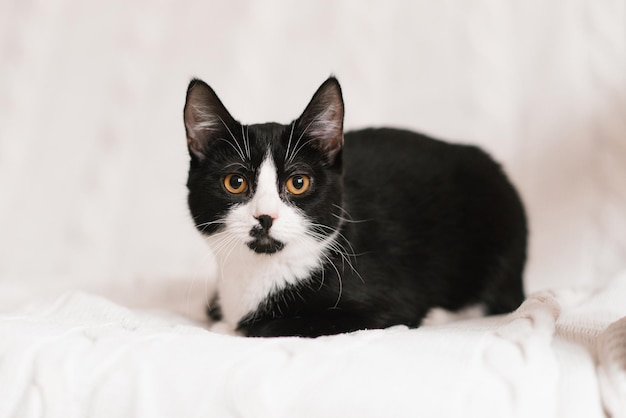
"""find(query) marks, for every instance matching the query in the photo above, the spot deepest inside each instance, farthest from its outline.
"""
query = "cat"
(317, 235)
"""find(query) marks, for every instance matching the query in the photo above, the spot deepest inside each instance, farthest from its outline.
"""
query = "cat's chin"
(265, 245)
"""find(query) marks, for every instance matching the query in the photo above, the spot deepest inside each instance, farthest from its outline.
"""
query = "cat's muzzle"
(263, 243)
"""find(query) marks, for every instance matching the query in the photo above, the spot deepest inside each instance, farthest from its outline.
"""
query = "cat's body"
(329, 237)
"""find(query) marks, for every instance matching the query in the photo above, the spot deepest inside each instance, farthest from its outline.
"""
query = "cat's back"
(394, 150)
(409, 174)
(399, 164)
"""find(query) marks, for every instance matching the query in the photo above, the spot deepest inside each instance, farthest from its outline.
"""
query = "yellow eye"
(298, 184)
(235, 183)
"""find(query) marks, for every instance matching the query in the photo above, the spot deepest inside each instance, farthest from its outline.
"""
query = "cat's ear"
(322, 120)
(206, 118)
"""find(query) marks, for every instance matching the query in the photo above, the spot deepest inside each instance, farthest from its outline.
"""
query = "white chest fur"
(246, 278)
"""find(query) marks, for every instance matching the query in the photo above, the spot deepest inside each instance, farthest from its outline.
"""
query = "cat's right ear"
(322, 119)
(205, 118)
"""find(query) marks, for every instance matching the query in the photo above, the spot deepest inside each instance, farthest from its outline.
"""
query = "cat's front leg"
(218, 325)
(308, 325)
(223, 327)
(214, 310)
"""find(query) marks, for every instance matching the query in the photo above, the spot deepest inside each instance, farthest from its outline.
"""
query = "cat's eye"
(298, 184)
(235, 183)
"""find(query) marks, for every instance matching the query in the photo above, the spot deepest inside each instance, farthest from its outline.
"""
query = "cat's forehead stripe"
(266, 199)
(267, 171)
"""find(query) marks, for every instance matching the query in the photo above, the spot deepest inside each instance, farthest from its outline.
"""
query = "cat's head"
(268, 187)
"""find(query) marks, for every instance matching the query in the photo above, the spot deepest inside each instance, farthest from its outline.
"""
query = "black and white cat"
(317, 235)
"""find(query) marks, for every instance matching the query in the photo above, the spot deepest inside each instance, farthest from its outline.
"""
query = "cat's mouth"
(263, 243)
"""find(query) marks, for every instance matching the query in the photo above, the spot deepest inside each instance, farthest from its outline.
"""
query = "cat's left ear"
(322, 120)
(206, 118)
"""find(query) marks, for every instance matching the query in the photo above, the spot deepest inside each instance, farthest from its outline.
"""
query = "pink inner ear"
(195, 147)
(328, 124)
(204, 115)
(322, 120)
(327, 128)
(200, 120)
(331, 146)
(199, 123)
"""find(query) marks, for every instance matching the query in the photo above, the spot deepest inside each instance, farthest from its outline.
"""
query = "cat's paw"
(440, 316)
(214, 310)
(222, 327)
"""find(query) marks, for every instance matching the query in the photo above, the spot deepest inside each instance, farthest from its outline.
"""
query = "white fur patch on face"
(266, 200)
(246, 278)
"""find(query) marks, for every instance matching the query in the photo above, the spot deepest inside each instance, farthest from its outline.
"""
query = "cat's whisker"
(348, 217)
(203, 226)
(293, 154)
(341, 218)
(232, 241)
(297, 150)
(336, 247)
(200, 225)
(338, 278)
(323, 277)
(342, 209)
(339, 249)
(224, 249)
(348, 257)
(246, 142)
(241, 154)
(299, 294)
(221, 246)
(243, 135)
(233, 245)
(317, 119)
(334, 231)
(220, 233)
(293, 124)
(297, 142)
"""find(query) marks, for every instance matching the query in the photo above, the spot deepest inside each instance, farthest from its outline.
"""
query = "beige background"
(92, 150)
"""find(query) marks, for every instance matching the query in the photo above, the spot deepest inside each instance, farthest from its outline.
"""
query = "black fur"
(425, 223)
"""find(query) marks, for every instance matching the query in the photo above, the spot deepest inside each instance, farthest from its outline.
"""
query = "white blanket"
(81, 355)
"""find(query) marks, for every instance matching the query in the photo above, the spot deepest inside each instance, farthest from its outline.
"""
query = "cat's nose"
(266, 221)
